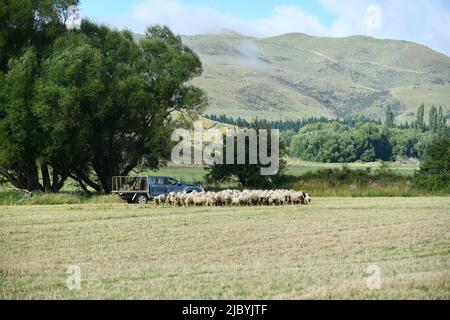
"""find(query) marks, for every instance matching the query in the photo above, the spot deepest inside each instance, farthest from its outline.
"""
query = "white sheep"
(235, 198)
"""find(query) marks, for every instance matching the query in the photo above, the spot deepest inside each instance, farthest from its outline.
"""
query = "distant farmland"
(295, 168)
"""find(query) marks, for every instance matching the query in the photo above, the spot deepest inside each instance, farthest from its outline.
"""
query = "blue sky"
(247, 9)
(423, 21)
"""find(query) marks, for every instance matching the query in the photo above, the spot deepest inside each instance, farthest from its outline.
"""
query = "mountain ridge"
(296, 75)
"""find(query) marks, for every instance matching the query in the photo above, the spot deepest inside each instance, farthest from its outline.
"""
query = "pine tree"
(433, 119)
(442, 122)
(389, 117)
(420, 123)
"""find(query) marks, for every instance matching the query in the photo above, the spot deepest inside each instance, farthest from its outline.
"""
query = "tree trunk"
(30, 174)
(46, 178)
(59, 184)
(80, 176)
(105, 181)
(81, 183)
(102, 171)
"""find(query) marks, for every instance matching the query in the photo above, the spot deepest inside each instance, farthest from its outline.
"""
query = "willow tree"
(88, 103)
(112, 99)
(30, 23)
(28, 29)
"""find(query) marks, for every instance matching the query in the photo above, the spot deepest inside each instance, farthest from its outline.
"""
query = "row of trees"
(352, 139)
(285, 125)
(335, 142)
(89, 103)
(437, 122)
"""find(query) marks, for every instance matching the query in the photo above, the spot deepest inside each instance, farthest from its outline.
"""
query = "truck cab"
(142, 189)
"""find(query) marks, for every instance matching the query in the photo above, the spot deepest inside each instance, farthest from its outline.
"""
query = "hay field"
(321, 251)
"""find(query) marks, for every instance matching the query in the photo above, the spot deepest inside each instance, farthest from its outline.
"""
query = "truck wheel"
(141, 199)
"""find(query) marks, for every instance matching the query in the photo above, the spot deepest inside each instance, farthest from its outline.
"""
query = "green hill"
(297, 75)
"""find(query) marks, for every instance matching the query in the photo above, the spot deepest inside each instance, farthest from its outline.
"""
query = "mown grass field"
(142, 252)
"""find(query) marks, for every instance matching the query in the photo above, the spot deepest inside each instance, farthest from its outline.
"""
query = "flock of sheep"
(235, 198)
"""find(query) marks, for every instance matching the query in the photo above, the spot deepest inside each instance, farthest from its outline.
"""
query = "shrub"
(434, 172)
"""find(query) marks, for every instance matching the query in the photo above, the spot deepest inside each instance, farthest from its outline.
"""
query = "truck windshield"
(171, 181)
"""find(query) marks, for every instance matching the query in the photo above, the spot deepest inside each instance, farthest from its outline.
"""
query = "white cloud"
(183, 18)
(285, 19)
(196, 19)
(423, 21)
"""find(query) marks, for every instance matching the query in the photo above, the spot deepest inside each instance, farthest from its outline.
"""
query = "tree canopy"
(335, 142)
(30, 23)
(248, 174)
(88, 103)
(434, 171)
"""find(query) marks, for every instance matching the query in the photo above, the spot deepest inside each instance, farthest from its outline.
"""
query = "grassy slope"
(296, 76)
(319, 251)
